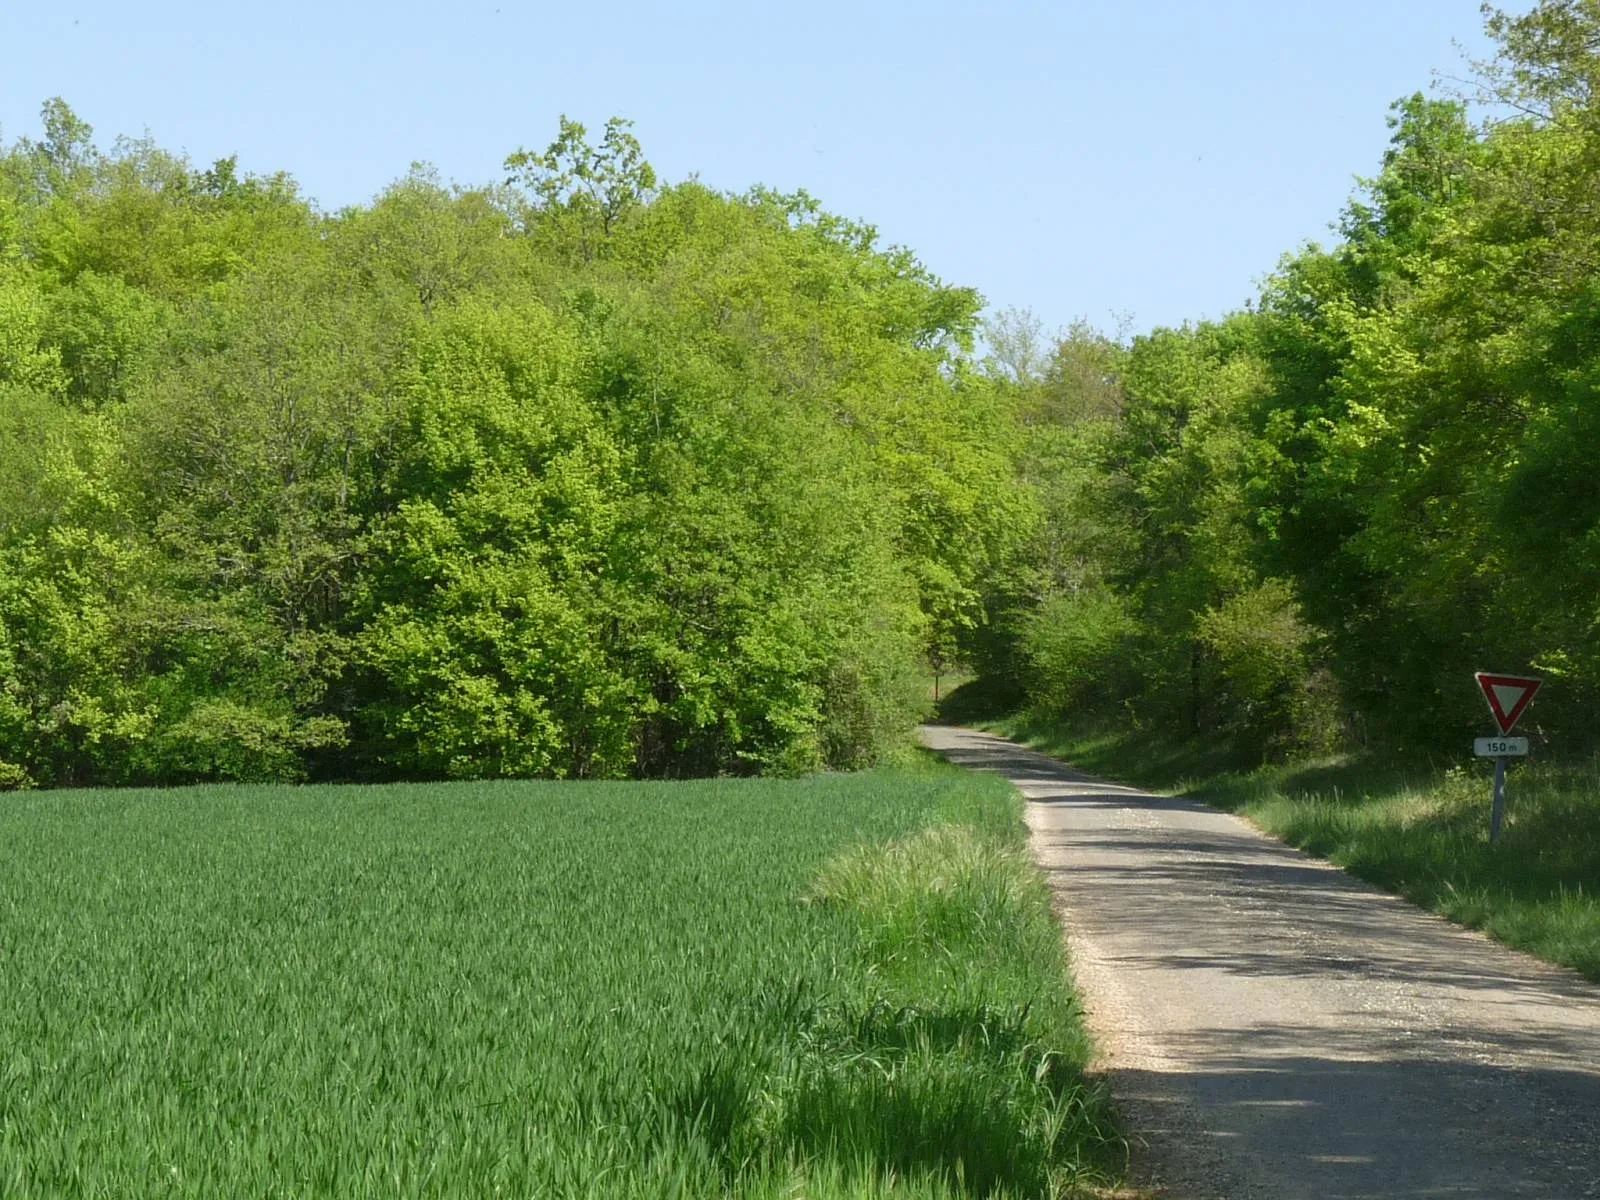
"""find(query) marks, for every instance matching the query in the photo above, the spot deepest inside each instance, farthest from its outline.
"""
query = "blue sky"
(1080, 159)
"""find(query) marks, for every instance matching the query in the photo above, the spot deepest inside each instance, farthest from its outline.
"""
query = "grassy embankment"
(1417, 828)
(839, 986)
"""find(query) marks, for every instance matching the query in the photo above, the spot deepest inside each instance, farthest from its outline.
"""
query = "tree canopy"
(1308, 523)
(586, 474)
(574, 475)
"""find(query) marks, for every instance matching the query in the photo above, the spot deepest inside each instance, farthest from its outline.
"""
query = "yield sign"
(1508, 696)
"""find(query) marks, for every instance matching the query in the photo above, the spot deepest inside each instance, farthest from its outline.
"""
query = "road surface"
(1275, 1028)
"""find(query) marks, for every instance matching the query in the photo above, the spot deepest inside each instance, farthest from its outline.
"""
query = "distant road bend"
(1277, 1029)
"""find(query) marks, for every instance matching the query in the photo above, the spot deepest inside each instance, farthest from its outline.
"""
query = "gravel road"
(1275, 1028)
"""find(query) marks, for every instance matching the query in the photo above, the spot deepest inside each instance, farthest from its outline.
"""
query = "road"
(1275, 1028)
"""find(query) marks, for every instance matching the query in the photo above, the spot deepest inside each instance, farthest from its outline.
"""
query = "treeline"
(1305, 525)
(576, 475)
(583, 475)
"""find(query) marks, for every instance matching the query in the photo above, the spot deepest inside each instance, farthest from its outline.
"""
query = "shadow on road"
(1367, 1121)
(1274, 1027)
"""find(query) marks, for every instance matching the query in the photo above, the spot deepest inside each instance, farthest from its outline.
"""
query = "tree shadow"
(1359, 1118)
(1537, 885)
(1389, 1053)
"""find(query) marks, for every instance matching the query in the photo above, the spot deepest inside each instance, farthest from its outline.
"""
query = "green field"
(838, 986)
(1416, 828)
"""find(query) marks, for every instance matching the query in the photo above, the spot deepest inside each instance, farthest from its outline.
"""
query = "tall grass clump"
(949, 1050)
(945, 887)
(988, 1077)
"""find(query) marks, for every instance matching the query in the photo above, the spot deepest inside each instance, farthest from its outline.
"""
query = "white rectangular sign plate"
(1500, 747)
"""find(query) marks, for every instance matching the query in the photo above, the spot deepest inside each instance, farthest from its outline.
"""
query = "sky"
(1139, 163)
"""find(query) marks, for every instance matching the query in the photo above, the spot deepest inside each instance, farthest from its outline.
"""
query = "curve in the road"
(1276, 1028)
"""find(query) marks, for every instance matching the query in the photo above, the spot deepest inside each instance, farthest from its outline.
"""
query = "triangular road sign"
(1508, 696)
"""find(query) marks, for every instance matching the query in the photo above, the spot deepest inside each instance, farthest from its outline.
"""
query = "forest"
(582, 474)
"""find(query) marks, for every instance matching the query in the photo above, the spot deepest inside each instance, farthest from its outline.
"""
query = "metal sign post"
(1508, 697)
(1498, 812)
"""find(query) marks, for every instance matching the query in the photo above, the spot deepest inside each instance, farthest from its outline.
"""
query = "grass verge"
(1421, 830)
(825, 988)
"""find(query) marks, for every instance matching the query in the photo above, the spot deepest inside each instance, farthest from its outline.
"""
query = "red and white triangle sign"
(1508, 696)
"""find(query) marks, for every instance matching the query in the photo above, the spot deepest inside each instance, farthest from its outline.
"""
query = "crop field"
(837, 986)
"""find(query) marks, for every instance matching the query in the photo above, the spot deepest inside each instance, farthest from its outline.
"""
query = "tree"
(580, 192)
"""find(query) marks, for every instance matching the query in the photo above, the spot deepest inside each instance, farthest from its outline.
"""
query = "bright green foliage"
(581, 193)
(483, 591)
(584, 475)
(577, 476)
(26, 362)
(1073, 644)
(1143, 587)
(1312, 521)
(617, 990)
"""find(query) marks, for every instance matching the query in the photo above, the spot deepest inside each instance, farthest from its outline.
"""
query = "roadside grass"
(1418, 829)
(841, 986)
